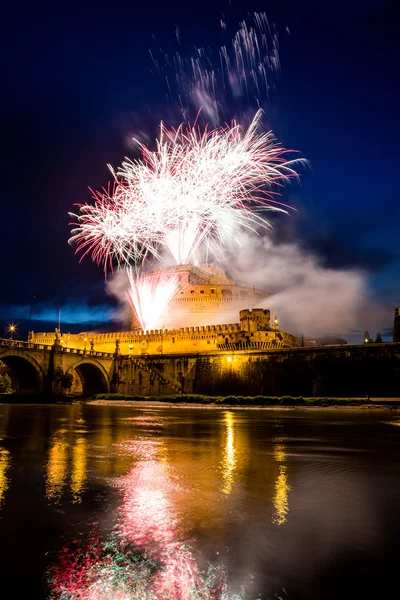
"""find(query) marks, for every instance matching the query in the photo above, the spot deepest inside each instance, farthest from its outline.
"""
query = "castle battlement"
(253, 331)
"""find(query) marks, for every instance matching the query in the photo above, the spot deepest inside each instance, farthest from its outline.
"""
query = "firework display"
(200, 185)
(236, 77)
(149, 296)
(197, 187)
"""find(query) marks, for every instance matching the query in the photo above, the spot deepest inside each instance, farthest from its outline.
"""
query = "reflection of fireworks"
(147, 557)
(149, 296)
(196, 188)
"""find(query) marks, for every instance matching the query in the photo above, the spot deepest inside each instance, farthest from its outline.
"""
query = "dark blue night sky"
(76, 85)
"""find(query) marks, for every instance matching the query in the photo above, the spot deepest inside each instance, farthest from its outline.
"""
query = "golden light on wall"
(229, 459)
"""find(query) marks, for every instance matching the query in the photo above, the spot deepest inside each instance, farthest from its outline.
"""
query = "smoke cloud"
(306, 296)
(117, 285)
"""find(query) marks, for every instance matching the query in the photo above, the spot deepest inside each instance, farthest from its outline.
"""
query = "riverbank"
(241, 401)
(139, 404)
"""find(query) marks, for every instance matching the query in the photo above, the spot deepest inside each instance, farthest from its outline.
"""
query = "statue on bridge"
(57, 339)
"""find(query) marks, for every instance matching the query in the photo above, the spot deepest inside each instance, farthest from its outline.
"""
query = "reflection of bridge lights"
(78, 476)
(281, 501)
(229, 460)
(56, 469)
(4, 465)
(279, 453)
(60, 463)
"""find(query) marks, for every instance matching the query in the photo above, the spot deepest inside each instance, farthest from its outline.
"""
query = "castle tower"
(396, 328)
(255, 320)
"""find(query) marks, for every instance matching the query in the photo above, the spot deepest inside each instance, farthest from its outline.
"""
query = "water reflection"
(5, 458)
(4, 466)
(67, 461)
(171, 490)
(56, 471)
(229, 460)
(78, 477)
(147, 556)
(281, 501)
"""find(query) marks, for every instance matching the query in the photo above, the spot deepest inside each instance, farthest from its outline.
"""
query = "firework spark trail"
(245, 68)
(113, 230)
(201, 184)
(197, 187)
(150, 296)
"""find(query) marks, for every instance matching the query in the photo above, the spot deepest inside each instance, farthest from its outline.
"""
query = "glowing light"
(229, 460)
(281, 501)
(12, 329)
(229, 359)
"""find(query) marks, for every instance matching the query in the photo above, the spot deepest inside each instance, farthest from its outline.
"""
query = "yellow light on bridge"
(229, 359)
(12, 329)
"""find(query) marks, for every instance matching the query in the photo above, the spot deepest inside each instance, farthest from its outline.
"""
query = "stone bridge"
(370, 369)
(38, 369)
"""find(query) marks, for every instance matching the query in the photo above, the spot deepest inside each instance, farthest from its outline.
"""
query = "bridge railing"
(32, 346)
(86, 352)
(22, 344)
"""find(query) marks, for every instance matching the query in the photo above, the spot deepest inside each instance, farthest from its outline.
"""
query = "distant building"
(396, 328)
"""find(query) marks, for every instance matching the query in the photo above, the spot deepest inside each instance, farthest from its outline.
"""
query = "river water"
(121, 503)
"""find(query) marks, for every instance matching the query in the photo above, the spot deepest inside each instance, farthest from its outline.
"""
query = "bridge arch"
(92, 378)
(27, 374)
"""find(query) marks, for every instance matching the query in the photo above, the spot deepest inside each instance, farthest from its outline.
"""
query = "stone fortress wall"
(253, 332)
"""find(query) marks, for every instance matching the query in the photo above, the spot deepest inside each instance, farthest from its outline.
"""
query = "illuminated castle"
(206, 296)
(254, 332)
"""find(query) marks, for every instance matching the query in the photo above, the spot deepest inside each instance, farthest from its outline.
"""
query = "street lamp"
(85, 344)
(11, 329)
